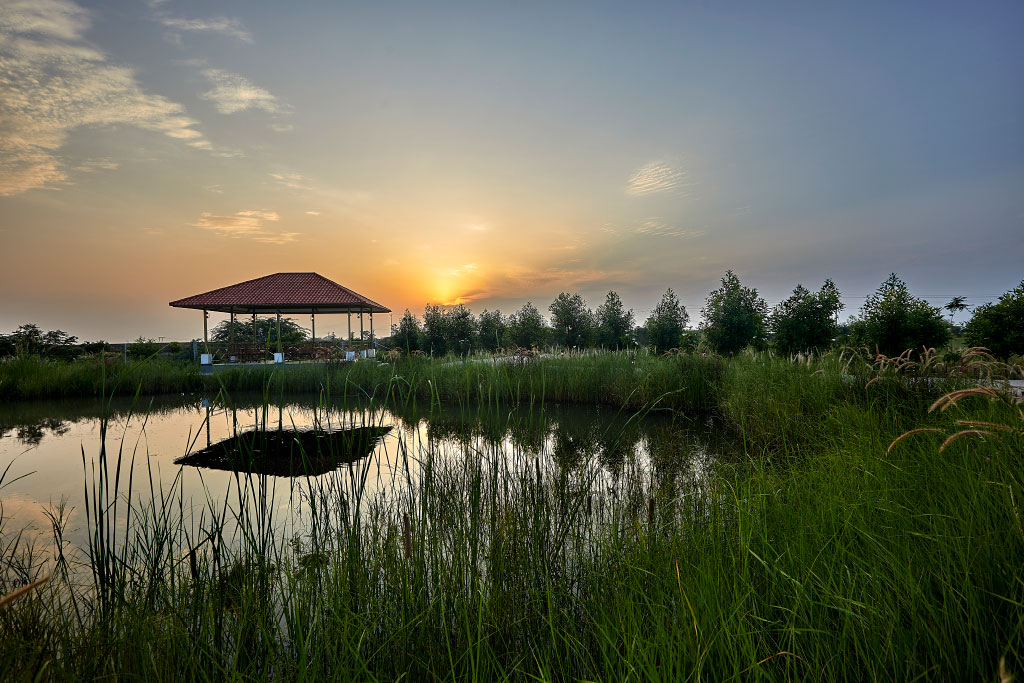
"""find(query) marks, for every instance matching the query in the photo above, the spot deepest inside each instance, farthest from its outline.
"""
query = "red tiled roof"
(284, 292)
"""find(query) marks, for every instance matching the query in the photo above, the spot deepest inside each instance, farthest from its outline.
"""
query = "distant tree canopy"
(406, 336)
(893, 320)
(614, 324)
(999, 327)
(492, 329)
(806, 321)
(572, 323)
(526, 327)
(448, 330)
(666, 323)
(734, 317)
(266, 331)
(30, 340)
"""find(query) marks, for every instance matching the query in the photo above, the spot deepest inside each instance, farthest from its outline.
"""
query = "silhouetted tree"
(571, 321)
(955, 305)
(491, 330)
(892, 321)
(435, 331)
(999, 327)
(266, 331)
(666, 323)
(806, 321)
(406, 334)
(734, 316)
(614, 325)
(462, 330)
(526, 327)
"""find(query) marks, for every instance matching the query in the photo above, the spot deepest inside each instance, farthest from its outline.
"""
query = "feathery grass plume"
(23, 591)
(965, 432)
(912, 432)
(950, 399)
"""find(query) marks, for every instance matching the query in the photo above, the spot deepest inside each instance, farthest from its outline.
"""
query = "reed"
(814, 555)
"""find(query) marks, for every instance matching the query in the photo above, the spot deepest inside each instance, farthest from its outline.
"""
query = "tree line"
(733, 318)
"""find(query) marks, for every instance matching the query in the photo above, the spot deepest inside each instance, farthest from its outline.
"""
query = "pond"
(159, 443)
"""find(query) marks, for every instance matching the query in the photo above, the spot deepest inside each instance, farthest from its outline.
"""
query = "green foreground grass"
(816, 555)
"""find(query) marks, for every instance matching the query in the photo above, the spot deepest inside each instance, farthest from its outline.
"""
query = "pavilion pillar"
(360, 326)
(371, 327)
(312, 322)
(233, 351)
(349, 327)
(206, 338)
(255, 336)
(279, 332)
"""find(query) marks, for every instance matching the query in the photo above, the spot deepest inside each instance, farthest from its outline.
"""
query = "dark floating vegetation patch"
(287, 452)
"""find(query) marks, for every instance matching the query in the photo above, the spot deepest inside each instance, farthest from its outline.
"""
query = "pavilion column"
(255, 335)
(232, 331)
(279, 332)
(371, 327)
(349, 327)
(206, 338)
(312, 322)
(360, 327)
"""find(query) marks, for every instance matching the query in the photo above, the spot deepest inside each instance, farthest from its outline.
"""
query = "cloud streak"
(176, 26)
(658, 176)
(251, 224)
(53, 82)
(232, 93)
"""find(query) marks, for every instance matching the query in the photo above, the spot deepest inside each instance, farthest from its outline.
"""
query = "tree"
(266, 331)
(406, 335)
(892, 321)
(734, 316)
(955, 305)
(571, 321)
(526, 327)
(435, 331)
(666, 323)
(614, 325)
(461, 330)
(806, 321)
(491, 330)
(999, 327)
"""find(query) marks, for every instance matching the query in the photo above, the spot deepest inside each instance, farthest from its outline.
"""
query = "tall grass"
(848, 563)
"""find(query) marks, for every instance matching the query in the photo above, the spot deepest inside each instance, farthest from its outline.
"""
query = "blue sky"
(496, 153)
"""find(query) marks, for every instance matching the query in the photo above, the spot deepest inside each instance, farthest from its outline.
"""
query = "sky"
(497, 153)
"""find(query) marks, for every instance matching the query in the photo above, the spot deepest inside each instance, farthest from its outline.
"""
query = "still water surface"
(53, 447)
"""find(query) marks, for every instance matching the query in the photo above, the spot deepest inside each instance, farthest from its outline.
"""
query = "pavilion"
(288, 293)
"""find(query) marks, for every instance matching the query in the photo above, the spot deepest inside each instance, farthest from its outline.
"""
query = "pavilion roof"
(285, 293)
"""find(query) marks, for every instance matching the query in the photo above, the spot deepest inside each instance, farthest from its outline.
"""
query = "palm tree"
(955, 305)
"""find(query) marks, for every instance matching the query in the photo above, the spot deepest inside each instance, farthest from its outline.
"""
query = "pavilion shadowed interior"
(286, 294)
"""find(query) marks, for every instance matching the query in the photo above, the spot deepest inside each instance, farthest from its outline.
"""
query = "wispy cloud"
(293, 181)
(658, 176)
(251, 224)
(92, 165)
(52, 82)
(656, 227)
(312, 213)
(232, 93)
(215, 189)
(176, 26)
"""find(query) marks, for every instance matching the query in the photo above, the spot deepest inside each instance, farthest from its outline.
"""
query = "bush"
(999, 327)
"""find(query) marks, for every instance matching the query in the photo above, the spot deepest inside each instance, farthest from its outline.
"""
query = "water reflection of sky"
(56, 446)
